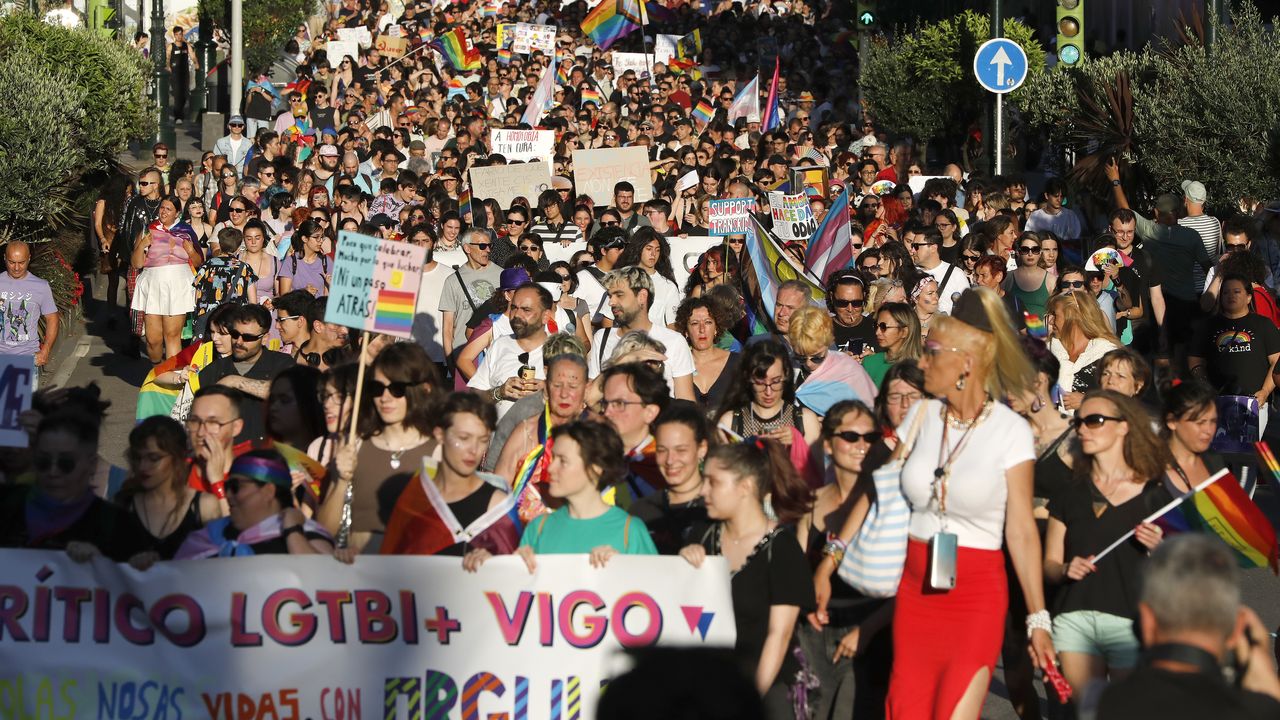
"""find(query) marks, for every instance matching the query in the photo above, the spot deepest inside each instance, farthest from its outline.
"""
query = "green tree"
(922, 83)
(267, 24)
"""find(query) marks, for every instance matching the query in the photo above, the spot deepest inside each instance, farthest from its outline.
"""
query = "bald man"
(24, 299)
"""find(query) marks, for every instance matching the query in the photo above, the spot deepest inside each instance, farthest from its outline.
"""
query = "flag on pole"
(591, 95)
(829, 247)
(1221, 507)
(772, 116)
(461, 54)
(765, 266)
(703, 112)
(657, 12)
(612, 20)
(540, 101)
(747, 102)
(689, 45)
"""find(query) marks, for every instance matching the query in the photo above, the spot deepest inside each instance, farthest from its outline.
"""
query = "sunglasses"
(397, 389)
(237, 210)
(65, 462)
(917, 246)
(247, 337)
(812, 359)
(236, 125)
(161, 157)
(1029, 250)
(147, 183)
(610, 223)
(1077, 284)
(328, 357)
(1094, 421)
(530, 248)
(513, 221)
(233, 484)
(884, 327)
(1233, 247)
(852, 437)
(481, 246)
(848, 303)
(971, 258)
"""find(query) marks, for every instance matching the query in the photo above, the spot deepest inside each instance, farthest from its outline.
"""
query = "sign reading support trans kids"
(1000, 65)
(732, 216)
(375, 284)
(524, 145)
(289, 637)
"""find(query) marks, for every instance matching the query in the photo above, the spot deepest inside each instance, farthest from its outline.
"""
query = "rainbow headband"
(263, 470)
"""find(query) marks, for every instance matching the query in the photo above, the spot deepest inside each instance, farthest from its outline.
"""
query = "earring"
(960, 382)
(1037, 405)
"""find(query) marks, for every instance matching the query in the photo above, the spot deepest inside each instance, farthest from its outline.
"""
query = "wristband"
(1039, 620)
(219, 490)
(834, 539)
(495, 394)
(1115, 183)
(291, 530)
(834, 550)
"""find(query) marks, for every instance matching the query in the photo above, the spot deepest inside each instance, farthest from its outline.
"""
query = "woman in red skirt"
(968, 480)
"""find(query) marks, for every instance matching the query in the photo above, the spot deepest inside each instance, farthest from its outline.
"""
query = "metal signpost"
(1000, 65)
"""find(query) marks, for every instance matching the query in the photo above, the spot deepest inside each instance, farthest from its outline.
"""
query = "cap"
(382, 220)
(264, 466)
(513, 278)
(417, 145)
(236, 120)
(560, 182)
(805, 96)
(776, 159)
(968, 309)
(328, 151)
(1194, 191)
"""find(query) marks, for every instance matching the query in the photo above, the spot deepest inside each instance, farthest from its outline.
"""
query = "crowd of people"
(1030, 388)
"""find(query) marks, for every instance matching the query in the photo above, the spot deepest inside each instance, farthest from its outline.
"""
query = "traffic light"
(1070, 31)
(867, 16)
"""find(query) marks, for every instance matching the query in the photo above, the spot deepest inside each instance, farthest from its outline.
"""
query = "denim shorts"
(1097, 633)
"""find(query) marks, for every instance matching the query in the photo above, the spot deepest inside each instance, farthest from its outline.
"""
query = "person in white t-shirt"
(427, 318)
(500, 371)
(606, 246)
(630, 290)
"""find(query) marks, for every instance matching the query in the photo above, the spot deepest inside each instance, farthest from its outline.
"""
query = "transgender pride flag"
(829, 249)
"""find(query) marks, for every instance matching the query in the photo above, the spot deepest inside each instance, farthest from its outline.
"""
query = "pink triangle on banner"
(692, 614)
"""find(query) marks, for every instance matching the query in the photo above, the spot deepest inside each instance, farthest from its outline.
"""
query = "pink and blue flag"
(829, 247)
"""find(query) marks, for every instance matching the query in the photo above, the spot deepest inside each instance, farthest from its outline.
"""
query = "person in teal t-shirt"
(587, 458)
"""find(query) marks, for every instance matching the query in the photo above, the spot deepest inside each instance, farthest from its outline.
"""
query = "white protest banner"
(685, 252)
(732, 216)
(596, 171)
(375, 284)
(524, 145)
(17, 386)
(665, 48)
(338, 49)
(288, 637)
(555, 252)
(639, 62)
(505, 183)
(792, 217)
(358, 35)
(916, 182)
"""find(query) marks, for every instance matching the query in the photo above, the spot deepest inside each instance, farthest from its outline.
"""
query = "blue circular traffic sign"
(1000, 65)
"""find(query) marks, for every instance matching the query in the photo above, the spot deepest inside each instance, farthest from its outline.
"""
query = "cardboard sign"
(505, 183)
(595, 172)
(338, 49)
(813, 176)
(505, 35)
(685, 252)
(792, 217)
(17, 387)
(555, 252)
(358, 35)
(295, 636)
(732, 216)
(665, 48)
(375, 284)
(639, 62)
(530, 37)
(524, 145)
(393, 47)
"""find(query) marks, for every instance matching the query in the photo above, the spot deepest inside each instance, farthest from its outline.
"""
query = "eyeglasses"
(195, 423)
(812, 359)
(607, 405)
(1094, 421)
(970, 258)
(1077, 284)
(848, 303)
(1029, 250)
(397, 389)
(901, 398)
(247, 337)
(773, 384)
(943, 225)
(65, 462)
(884, 327)
(850, 436)
(481, 246)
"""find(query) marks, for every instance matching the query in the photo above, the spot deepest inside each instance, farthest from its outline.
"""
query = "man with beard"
(250, 369)
(139, 212)
(630, 313)
(327, 166)
(512, 366)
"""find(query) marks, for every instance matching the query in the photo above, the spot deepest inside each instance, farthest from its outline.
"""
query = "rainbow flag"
(591, 95)
(772, 115)
(393, 312)
(309, 474)
(562, 77)
(461, 54)
(533, 470)
(157, 399)
(464, 204)
(703, 112)
(765, 266)
(1035, 325)
(457, 87)
(488, 11)
(1268, 459)
(612, 20)
(504, 55)
(1220, 506)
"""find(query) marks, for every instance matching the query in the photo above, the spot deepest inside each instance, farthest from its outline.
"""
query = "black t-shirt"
(323, 118)
(271, 363)
(672, 527)
(1093, 524)
(776, 573)
(106, 526)
(857, 338)
(1157, 694)
(1236, 352)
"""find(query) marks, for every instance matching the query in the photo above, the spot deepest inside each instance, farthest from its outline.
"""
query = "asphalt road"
(98, 357)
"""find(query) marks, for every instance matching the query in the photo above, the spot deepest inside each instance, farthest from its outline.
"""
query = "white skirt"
(165, 290)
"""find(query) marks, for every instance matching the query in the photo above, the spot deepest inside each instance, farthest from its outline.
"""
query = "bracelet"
(495, 394)
(1039, 620)
(1115, 183)
(836, 551)
(834, 539)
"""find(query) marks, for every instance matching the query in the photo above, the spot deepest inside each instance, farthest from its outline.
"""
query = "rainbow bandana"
(268, 470)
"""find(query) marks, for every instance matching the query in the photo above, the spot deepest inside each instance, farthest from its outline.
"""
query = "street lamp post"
(160, 77)
(201, 102)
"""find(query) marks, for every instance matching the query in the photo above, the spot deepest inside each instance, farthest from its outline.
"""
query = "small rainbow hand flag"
(591, 95)
(464, 204)
(393, 312)
(1268, 459)
(703, 112)
(504, 55)
(562, 77)
(1035, 325)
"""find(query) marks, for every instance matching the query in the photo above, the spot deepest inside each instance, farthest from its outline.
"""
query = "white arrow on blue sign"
(1000, 65)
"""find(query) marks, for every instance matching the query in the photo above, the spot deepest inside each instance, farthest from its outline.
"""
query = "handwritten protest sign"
(391, 46)
(524, 145)
(685, 252)
(289, 636)
(732, 216)
(596, 171)
(375, 284)
(530, 37)
(338, 49)
(17, 385)
(505, 183)
(665, 48)
(358, 35)
(639, 62)
(792, 217)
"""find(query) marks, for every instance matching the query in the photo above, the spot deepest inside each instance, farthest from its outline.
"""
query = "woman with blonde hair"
(897, 331)
(830, 376)
(1079, 336)
(883, 291)
(967, 476)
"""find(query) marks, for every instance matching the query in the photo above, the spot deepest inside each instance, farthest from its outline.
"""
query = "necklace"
(959, 423)
(395, 458)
